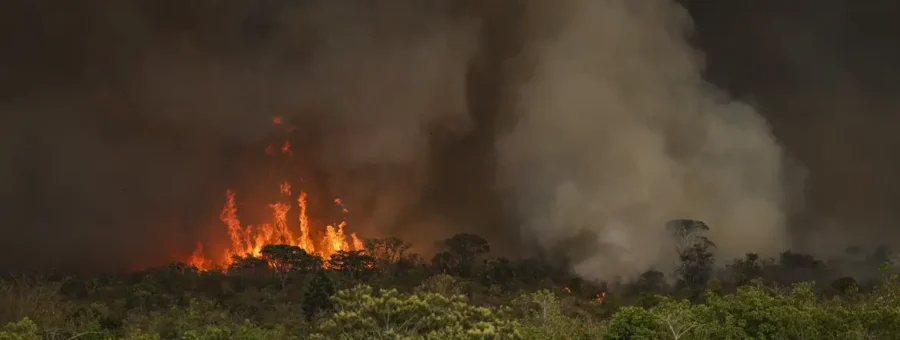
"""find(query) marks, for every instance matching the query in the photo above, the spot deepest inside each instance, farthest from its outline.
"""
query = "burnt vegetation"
(464, 292)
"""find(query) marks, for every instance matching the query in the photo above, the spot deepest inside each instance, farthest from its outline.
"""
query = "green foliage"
(442, 284)
(288, 294)
(755, 311)
(24, 329)
(544, 319)
(364, 313)
(245, 331)
(201, 320)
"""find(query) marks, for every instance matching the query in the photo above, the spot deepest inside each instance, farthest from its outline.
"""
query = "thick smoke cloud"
(617, 133)
(548, 123)
(126, 120)
(825, 74)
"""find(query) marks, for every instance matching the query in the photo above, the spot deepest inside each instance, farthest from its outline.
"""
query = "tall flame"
(250, 239)
(305, 241)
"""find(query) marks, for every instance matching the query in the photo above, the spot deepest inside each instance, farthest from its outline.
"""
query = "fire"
(567, 290)
(357, 244)
(197, 258)
(250, 239)
(599, 298)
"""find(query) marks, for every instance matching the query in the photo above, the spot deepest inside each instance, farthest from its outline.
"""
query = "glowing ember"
(599, 298)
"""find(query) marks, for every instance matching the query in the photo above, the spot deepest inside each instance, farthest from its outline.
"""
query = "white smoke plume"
(616, 133)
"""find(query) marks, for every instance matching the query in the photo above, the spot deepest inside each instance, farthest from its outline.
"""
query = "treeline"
(463, 292)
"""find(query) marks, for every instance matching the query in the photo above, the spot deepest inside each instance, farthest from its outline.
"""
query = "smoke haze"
(533, 123)
(618, 133)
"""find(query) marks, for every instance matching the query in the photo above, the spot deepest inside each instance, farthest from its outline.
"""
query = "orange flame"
(250, 239)
(197, 259)
(599, 298)
(357, 244)
(567, 290)
(305, 241)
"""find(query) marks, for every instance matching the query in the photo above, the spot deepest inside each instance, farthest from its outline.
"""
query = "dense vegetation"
(462, 293)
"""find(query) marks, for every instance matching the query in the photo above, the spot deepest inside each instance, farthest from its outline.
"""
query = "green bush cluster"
(386, 293)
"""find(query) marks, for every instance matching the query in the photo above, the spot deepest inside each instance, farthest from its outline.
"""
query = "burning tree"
(291, 236)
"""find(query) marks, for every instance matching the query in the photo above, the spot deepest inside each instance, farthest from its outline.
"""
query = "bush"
(363, 313)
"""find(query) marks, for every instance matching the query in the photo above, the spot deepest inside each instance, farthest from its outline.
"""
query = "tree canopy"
(387, 292)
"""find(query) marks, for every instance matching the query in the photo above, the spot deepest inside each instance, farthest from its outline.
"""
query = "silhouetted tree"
(388, 250)
(688, 233)
(317, 297)
(462, 251)
(356, 265)
(797, 267)
(498, 271)
(845, 285)
(651, 282)
(285, 259)
(746, 269)
(694, 253)
(247, 263)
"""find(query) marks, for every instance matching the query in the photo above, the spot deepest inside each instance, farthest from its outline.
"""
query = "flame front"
(250, 239)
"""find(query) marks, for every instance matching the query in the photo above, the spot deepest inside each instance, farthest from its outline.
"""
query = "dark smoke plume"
(126, 120)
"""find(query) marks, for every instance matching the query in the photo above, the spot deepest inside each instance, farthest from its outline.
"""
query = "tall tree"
(461, 252)
(694, 251)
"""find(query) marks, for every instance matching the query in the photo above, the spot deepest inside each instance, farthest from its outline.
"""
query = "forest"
(463, 292)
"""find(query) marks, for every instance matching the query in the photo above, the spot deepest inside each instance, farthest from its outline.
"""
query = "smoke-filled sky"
(533, 123)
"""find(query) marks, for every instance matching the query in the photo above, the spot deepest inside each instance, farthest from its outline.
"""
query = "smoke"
(617, 133)
(824, 73)
(127, 120)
